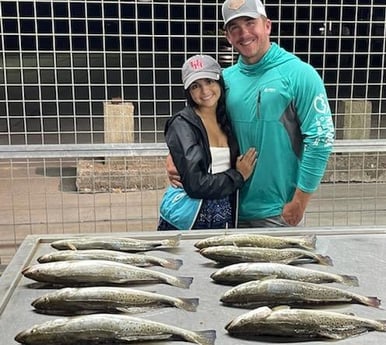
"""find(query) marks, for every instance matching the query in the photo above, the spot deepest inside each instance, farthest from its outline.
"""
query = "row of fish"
(267, 280)
(95, 273)
(264, 269)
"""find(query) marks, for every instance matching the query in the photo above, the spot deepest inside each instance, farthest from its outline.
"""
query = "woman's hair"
(221, 107)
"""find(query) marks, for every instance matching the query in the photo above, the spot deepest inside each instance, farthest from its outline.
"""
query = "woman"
(205, 152)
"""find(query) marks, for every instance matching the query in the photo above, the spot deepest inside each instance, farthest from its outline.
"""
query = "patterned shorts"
(214, 214)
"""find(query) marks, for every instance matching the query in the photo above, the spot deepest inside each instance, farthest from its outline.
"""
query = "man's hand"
(171, 170)
(293, 212)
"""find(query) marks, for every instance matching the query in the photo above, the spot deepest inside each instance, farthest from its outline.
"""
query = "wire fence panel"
(53, 190)
(85, 85)
(61, 61)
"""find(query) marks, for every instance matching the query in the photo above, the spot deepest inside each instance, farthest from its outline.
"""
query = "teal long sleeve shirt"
(279, 106)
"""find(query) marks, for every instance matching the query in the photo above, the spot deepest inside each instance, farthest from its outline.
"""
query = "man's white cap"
(232, 9)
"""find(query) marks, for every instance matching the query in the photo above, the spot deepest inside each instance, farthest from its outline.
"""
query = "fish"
(246, 271)
(135, 259)
(257, 240)
(108, 329)
(232, 254)
(124, 244)
(99, 272)
(274, 292)
(106, 299)
(301, 323)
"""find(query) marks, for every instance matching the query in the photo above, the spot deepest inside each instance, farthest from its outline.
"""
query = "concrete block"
(356, 115)
(136, 173)
(118, 124)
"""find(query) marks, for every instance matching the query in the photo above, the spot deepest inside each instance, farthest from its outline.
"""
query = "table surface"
(359, 251)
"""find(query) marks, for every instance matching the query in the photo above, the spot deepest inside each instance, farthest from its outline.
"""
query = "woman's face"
(205, 92)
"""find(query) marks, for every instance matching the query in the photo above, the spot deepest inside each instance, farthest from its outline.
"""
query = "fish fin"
(281, 307)
(71, 246)
(309, 242)
(208, 336)
(273, 276)
(350, 280)
(184, 282)
(350, 314)
(172, 242)
(189, 304)
(324, 260)
(173, 264)
(133, 310)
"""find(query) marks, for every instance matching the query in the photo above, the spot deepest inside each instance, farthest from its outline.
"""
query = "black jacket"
(188, 143)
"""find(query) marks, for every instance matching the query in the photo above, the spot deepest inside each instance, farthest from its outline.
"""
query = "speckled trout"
(232, 254)
(301, 323)
(125, 244)
(87, 300)
(140, 260)
(258, 240)
(99, 272)
(108, 329)
(243, 272)
(274, 292)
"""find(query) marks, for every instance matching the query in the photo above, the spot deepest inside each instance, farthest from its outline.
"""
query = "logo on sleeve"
(321, 104)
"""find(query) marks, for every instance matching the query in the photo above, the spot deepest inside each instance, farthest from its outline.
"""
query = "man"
(277, 104)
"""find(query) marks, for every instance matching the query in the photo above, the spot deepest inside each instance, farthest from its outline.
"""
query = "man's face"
(250, 37)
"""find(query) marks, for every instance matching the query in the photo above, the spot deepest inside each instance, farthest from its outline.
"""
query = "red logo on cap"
(235, 4)
(196, 64)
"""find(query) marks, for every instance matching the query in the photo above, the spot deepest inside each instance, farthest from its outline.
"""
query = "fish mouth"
(37, 302)
(21, 337)
(26, 271)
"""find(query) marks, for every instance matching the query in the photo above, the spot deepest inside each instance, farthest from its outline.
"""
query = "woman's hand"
(246, 163)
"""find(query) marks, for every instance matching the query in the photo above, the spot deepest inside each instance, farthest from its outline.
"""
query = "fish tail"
(183, 282)
(372, 302)
(324, 260)
(172, 242)
(189, 304)
(309, 241)
(383, 325)
(349, 280)
(173, 264)
(206, 337)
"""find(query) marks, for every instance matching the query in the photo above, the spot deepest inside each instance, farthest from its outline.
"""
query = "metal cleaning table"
(354, 251)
